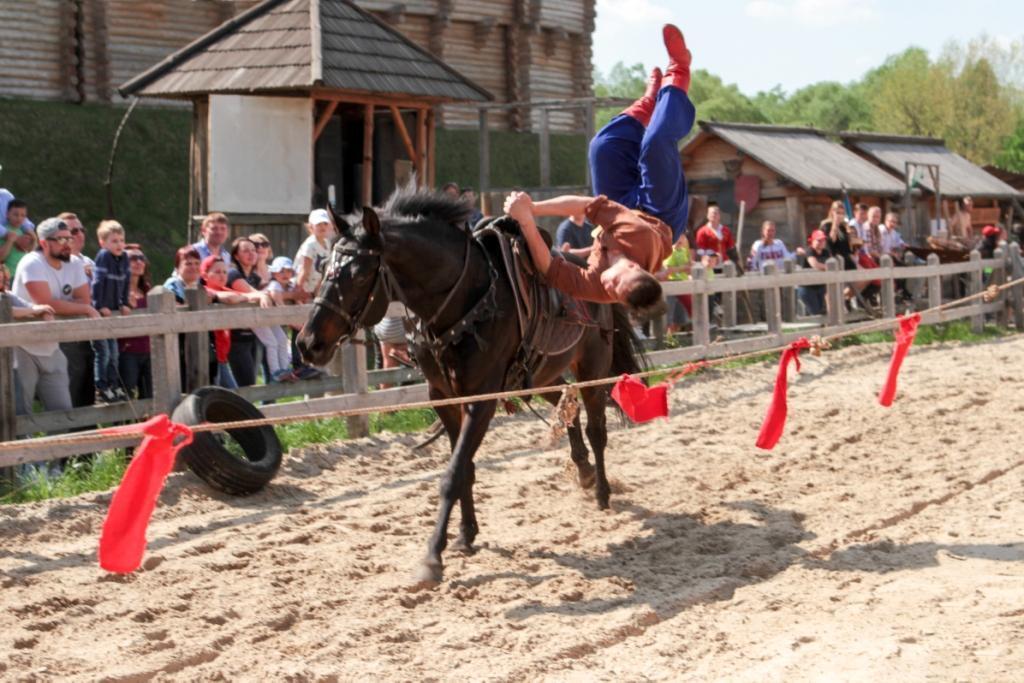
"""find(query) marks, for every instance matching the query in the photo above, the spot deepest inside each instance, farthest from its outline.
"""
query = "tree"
(1011, 157)
(716, 101)
(911, 96)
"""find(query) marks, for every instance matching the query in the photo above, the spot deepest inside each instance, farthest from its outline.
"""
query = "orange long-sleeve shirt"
(642, 238)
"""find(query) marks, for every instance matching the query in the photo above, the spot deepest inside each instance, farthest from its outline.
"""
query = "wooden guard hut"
(789, 175)
(300, 102)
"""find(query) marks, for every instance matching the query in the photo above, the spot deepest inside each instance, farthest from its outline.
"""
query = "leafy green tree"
(1011, 156)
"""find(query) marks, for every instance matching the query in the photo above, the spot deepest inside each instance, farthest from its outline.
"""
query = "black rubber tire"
(210, 460)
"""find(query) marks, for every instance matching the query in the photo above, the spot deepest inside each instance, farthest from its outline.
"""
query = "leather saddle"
(550, 321)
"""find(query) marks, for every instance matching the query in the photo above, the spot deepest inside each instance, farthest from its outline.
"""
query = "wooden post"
(164, 354)
(789, 294)
(422, 177)
(772, 302)
(999, 278)
(197, 345)
(977, 321)
(588, 135)
(728, 298)
(834, 295)
(701, 307)
(7, 407)
(545, 148)
(354, 380)
(658, 327)
(367, 197)
(431, 150)
(934, 284)
(8, 411)
(485, 164)
(888, 288)
(1016, 293)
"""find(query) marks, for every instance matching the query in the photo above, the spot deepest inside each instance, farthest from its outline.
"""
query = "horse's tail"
(628, 354)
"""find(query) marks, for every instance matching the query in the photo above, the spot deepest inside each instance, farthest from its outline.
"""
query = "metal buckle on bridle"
(336, 262)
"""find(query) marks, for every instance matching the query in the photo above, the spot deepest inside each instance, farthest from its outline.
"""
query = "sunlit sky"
(760, 43)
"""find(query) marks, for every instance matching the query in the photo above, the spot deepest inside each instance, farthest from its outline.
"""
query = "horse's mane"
(412, 203)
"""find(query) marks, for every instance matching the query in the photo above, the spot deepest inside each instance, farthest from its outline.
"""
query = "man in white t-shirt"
(314, 253)
(768, 249)
(47, 277)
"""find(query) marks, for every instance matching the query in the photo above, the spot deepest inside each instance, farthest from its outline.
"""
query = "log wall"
(81, 50)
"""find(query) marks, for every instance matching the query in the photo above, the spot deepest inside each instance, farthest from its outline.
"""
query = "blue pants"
(105, 363)
(641, 168)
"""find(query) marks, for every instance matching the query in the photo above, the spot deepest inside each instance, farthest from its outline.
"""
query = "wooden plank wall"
(34, 57)
(516, 49)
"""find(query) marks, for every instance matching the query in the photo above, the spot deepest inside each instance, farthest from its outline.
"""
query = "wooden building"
(927, 164)
(790, 175)
(300, 102)
(787, 175)
(518, 50)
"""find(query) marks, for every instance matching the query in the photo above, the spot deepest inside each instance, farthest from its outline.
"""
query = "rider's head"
(632, 285)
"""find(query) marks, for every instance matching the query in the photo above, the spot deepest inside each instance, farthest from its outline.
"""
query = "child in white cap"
(314, 252)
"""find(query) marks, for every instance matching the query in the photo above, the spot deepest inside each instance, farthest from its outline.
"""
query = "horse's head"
(352, 292)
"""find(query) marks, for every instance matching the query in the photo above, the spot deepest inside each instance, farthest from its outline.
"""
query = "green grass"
(79, 476)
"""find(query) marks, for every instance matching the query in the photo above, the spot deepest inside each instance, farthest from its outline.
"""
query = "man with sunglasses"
(78, 242)
(79, 353)
(47, 277)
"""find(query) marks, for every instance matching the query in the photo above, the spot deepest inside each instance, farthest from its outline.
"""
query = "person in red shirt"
(715, 242)
(640, 195)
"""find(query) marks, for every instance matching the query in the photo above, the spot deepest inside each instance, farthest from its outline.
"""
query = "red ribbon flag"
(640, 402)
(775, 419)
(123, 540)
(904, 339)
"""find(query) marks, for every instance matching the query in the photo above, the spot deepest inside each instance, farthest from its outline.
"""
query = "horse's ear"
(371, 222)
(340, 224)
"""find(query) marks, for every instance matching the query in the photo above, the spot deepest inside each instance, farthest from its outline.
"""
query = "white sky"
(760, 43)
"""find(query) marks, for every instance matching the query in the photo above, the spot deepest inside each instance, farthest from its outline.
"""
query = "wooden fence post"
(888, 288)
(999, 278)
(834, 295)
(485, 164)
(1016, 293)
(772, 302)
(659, 324)
(789, 294)
(197, 345)
(934, 284)
(977, 321)
(354, 380)
(166, 363)
(729, 298)
(701, 307)
(8, 422)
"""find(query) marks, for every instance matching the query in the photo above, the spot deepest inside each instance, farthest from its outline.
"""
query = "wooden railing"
(349, 384)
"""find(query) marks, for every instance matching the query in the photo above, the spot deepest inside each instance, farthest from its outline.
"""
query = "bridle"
(381, 276)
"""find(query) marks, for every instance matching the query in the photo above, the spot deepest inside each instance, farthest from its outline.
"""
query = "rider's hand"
(519, 205)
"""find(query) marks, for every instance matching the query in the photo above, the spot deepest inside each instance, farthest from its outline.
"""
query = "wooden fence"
(349, 385)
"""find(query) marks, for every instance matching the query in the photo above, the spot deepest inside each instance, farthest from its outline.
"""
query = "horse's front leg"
(456, 484)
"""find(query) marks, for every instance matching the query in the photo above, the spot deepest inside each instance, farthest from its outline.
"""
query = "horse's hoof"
(460, 545)
(587, 479)
(427, 576)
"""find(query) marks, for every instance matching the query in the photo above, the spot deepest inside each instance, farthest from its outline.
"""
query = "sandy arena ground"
(873, 544)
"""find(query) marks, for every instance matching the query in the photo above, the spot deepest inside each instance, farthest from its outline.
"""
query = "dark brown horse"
(417, 252)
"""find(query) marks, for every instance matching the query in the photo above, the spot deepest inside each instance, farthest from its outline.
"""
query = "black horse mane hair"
(412, 203)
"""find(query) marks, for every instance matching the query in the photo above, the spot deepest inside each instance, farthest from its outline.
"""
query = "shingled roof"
(958, 177)
(296, 45)
(805, 156)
